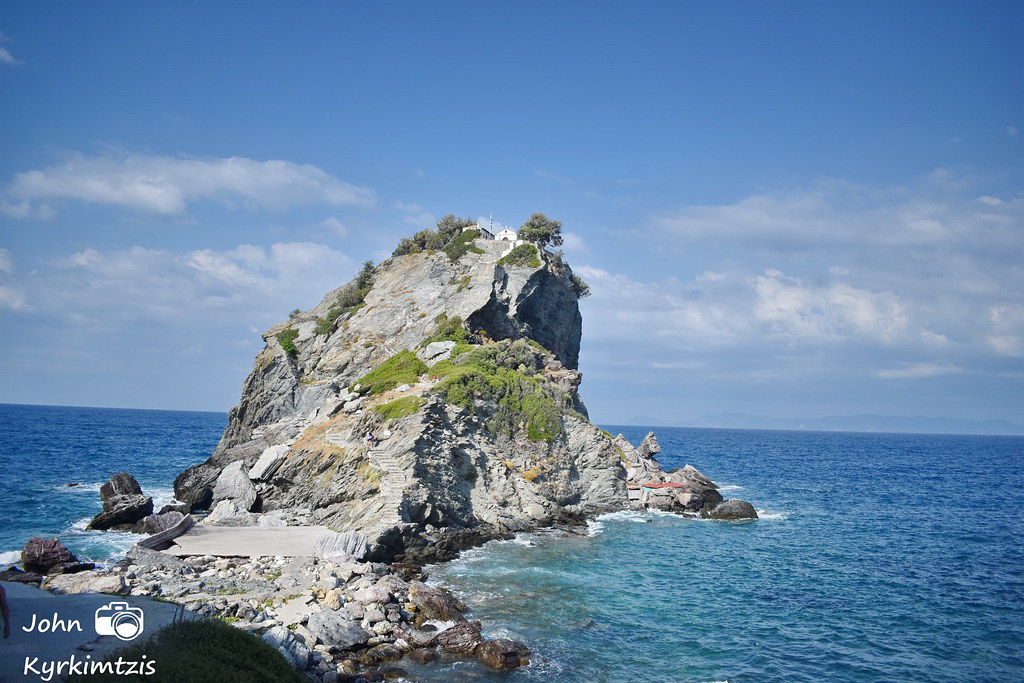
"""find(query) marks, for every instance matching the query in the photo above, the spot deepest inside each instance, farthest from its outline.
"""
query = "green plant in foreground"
(400, 407)
(402, 368)
(200, 651)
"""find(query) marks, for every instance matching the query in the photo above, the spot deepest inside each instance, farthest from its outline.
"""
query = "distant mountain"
(862, 423)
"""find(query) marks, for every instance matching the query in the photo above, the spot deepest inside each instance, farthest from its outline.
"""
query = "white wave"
(80, 524)
(78, 487)
(624, 516)
(594, 528)
(765, 514)
(730, 487)
(9, 557)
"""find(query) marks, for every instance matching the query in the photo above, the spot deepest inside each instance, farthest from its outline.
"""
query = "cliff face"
(499, 441)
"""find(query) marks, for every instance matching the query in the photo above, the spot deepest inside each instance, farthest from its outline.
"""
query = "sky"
(788, 209)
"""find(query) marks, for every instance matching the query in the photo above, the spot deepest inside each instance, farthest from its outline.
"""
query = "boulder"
(122, 484)
(154, 524)
(371, 594)
(194, 486)
(435, 352)
(503, 654)
(289, 645)
(461, 639)
(50, 556)
(332, 599)
(233, 484)
(337, 630)
(341, 547)
(268, 462)
(649, 447)
(422, 655)
(385, 652)
(85, 582)
(733, 509)
(122, 511)
(435, 603)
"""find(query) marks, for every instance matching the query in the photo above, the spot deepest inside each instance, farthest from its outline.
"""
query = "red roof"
(667, 485)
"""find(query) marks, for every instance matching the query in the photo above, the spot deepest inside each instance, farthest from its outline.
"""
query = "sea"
(876, 557)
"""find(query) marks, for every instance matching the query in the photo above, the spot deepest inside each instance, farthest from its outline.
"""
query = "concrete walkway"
(26, 602)
(247, 541)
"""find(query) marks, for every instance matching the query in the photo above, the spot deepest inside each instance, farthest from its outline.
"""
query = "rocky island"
(425, 407)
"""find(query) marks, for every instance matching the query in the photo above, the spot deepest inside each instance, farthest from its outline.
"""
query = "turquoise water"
(878, 557)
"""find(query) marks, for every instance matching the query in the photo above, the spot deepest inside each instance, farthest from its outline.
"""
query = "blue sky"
(786, 209)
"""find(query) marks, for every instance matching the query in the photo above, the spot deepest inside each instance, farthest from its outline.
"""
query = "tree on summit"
(541, 230)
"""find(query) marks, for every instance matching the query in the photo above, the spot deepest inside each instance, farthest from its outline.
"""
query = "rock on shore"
(332, 619)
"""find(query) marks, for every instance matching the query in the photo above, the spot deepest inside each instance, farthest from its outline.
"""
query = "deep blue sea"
(878, 557)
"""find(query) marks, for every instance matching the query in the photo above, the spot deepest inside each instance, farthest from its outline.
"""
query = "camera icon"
(119, 619)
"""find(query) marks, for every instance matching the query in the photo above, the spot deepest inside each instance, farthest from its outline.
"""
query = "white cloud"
(167, 185)
(795, 309)
(573, 243)
(6, 57)
(416, 215)
(333, 226)
(920, 371)
(11, 296)
(230, 288)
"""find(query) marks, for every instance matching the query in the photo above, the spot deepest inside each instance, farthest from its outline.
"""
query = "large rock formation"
(430, 411)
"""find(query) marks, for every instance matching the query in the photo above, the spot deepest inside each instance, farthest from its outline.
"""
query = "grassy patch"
(463, 283)
(402, 368)
(400, 407)
(531, 474)
(522, 255)
(200, 651)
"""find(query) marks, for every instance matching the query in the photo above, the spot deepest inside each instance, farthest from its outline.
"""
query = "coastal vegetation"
(502, 374)
(286, 338)
(349, 300)
(541, 230)
(448, 329)
(400, 407)
(522, 255)
(402, 368)
(448, 228)
(204, 650)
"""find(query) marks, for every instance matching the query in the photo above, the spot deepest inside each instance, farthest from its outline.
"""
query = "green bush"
(402, 368)
(201, 651)
(286, 338)
(579, 287)
(522, 255)
(324, 325)
(448, 228)
(400, 407)
(447, 329)
(462, 244)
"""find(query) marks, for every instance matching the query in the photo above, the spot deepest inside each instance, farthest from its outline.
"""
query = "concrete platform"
(247, 541)
(29, 604)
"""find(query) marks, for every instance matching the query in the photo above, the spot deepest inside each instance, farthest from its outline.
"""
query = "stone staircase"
(394, 478)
